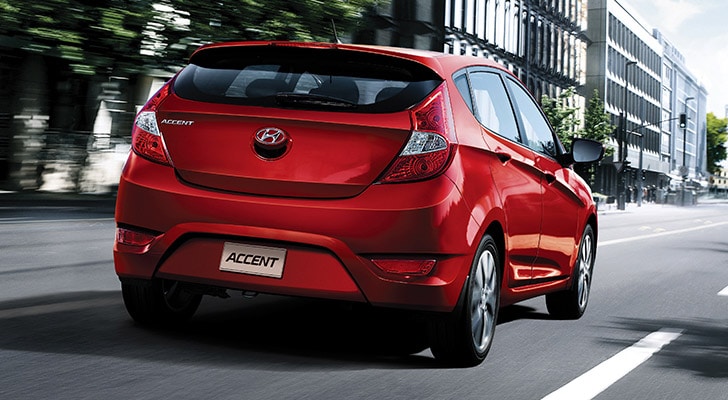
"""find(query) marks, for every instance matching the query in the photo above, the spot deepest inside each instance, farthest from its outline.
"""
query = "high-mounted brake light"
(427, 152)
(146, 138)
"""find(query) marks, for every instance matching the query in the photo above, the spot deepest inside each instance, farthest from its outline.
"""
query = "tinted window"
(461, 82)
(305, 78)
(536, 130)
(492, 107)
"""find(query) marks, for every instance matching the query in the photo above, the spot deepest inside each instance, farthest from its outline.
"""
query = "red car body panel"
(323, 203)
(313, 167)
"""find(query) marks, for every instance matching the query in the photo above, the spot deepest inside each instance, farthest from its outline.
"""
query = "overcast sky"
(699, 30)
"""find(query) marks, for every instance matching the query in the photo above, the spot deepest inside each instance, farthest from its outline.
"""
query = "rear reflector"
(133, 238)
(406, 267)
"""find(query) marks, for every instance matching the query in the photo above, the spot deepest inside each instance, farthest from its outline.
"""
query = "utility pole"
(622, 153)
(684, 168)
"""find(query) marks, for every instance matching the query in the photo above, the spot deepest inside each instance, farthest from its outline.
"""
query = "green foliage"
(185, 24)
(128, 36)
(94, 36)
(717, 136)
(597, 124)
(561, 115)
(563, 119)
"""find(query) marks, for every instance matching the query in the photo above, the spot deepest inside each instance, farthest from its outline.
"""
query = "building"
(552, 45)
(645, 86)
(719, 182)
(682, 93)
(625, 67)
(541, 42)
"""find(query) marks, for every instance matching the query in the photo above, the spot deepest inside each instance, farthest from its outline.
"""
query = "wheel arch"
(592, 220)
(495, 230)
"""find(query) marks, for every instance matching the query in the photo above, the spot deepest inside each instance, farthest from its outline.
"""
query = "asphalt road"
(656, 326)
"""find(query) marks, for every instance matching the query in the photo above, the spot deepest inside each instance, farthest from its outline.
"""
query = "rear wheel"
(464, 337)
(160, 302)
(571, 303)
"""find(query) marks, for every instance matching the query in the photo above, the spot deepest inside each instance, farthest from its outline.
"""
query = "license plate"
(253, 260)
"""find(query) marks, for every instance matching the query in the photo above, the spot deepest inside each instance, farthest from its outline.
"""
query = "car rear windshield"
(310, 78)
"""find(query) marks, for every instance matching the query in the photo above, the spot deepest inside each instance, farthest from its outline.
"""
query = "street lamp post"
(621, 155)
(685, 167)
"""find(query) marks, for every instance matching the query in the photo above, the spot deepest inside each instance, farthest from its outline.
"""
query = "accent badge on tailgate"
(253, 260)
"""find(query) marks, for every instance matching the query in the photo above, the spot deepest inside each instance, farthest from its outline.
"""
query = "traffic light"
(683, 120)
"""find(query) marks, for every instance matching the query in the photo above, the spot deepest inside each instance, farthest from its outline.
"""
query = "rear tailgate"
(328, 154)
(301, 121)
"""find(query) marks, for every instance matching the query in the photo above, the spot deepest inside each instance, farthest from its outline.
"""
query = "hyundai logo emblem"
(271, 138)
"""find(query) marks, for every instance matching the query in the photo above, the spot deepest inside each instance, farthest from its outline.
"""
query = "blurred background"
(73, 73)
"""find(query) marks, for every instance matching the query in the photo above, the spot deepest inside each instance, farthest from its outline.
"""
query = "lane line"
(723, 292)
(658, 234)
(602, 376)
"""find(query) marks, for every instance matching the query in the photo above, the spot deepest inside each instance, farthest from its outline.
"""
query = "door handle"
(503, 157)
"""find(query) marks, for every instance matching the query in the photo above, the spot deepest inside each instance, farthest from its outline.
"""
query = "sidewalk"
(646, 206)
(38, 199)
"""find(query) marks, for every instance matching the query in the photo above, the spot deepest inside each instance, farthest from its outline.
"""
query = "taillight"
(427, 152)
(146, 138)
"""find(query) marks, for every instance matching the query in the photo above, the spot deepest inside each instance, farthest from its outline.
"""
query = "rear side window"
(311, 78)
(492, 106)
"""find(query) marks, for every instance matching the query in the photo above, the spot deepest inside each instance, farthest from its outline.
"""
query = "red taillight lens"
(406, 268)
(145, 136)
(427, 152)
(133, 238)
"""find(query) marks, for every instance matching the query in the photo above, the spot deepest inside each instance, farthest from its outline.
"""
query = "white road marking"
(723, 292)
(605, 374)
(658, 234)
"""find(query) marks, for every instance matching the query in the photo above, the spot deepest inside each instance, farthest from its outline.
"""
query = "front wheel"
(160, 302)
(571, 303)
(463, 338)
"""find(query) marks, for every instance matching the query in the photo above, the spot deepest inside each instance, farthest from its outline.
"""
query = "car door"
(515, 173)
(559, 224)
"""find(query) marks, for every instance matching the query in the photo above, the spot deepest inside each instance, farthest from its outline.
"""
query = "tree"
(101, 36)
(92, 53)
(180, 26)
(564, 120)
(94, 37)
(597, 123)
(561, 115)
(717, 135)
(597, 126)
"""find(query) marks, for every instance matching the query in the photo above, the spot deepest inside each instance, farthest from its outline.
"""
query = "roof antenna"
(336, 35)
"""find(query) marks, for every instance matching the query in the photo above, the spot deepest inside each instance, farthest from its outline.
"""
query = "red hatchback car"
(393, 177)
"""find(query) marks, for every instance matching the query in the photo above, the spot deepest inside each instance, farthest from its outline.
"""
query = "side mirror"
(586, 150)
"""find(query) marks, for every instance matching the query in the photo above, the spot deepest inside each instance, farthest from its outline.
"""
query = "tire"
(160, 303)
(571, 303)
(464, 337)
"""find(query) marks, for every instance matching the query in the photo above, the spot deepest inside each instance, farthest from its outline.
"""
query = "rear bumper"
(330, 243)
